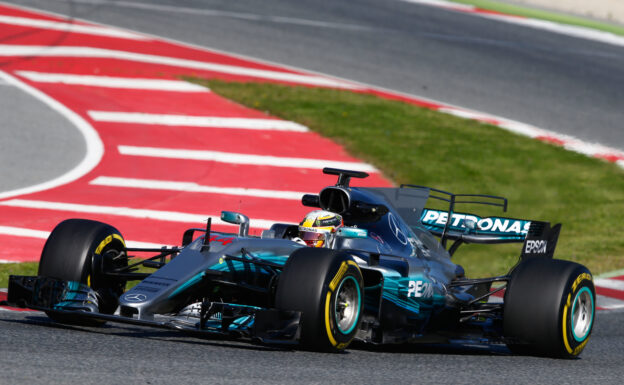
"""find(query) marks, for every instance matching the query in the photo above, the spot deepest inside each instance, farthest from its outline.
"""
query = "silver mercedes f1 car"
(385, 277)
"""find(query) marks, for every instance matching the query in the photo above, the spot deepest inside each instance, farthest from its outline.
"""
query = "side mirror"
(237, 219)
(310, 200)
(351, 232)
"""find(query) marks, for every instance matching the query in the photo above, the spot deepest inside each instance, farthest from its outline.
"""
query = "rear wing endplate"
(541, 240)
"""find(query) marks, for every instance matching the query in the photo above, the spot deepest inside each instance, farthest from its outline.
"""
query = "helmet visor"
(312, 238)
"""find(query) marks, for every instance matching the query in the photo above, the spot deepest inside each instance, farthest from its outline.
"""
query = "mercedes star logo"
(135, 297)
(396, 230)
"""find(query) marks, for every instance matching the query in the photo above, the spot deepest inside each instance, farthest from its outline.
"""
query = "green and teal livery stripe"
(194, 280)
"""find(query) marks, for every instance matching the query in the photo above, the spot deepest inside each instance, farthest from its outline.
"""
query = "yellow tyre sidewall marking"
(101, 247)
(341, 272)
(332, 286)
(567, 305)
(108, 240)
(565, 322)
(330, 335)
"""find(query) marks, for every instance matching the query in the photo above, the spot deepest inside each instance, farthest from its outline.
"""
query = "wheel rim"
(347, 305)
(582, 314)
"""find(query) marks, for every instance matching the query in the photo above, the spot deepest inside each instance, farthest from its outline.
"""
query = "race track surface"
(36, 351)
(552, 81)
(32, 135)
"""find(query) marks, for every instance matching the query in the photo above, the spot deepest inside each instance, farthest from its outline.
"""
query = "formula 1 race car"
(384, 278)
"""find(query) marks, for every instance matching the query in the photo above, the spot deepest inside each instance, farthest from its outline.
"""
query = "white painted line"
(544, 25)
(568, 142)
(228, 157)
(7, 261)
(444, 4)
(234, 15)
(196, 121)
(22, 232)
(193, 187)
(609, 283)
(609, 303)
(94, 151)
(30, 233)
(101, 53)
(70, 27)
(563, 29)
(113, 82)
(169, 216)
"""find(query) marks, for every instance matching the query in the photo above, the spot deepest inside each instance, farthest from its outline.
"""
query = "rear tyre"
(550, 307)
(327, 287)
(79, 250)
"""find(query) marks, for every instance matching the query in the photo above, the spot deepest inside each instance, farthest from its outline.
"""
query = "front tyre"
(80, 250)
(550, 307)
(327, 287)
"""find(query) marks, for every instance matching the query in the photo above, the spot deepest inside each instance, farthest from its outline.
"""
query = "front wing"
(74, 299)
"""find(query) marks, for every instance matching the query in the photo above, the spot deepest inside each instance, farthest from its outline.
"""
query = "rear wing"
(487, 229)
(541, 240)
(452, 229)
(538, 238)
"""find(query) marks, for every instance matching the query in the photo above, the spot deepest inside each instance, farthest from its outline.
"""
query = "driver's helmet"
(316, 228)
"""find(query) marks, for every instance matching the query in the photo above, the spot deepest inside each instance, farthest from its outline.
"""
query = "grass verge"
(544, 15)
(6, 269)
(30, 268)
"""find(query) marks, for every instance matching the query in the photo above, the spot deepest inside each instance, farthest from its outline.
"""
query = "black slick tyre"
(327, 287)
(78, 250)
(549, 309)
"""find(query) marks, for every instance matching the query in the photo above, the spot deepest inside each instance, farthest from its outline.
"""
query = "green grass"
(415, 145)
(543, 15)
(6, 269)
(30, 268)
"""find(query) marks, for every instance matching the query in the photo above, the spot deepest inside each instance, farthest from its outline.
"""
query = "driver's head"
(317, 226)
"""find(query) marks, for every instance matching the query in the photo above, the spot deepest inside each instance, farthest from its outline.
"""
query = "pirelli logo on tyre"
(108, 240)
(339, 275)
(580, 279)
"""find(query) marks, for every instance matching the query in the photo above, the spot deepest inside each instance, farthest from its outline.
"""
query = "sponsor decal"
(331, 221)
(396, 229)
(580, 279)
(147, 289)
(135, 297)
(222, 241)
(315, 229)
(341, 272)
(156, 283)
(490, 224)
(376, 237)
(108, 240)
(535, 247)
(579, 348)
(419, 289)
